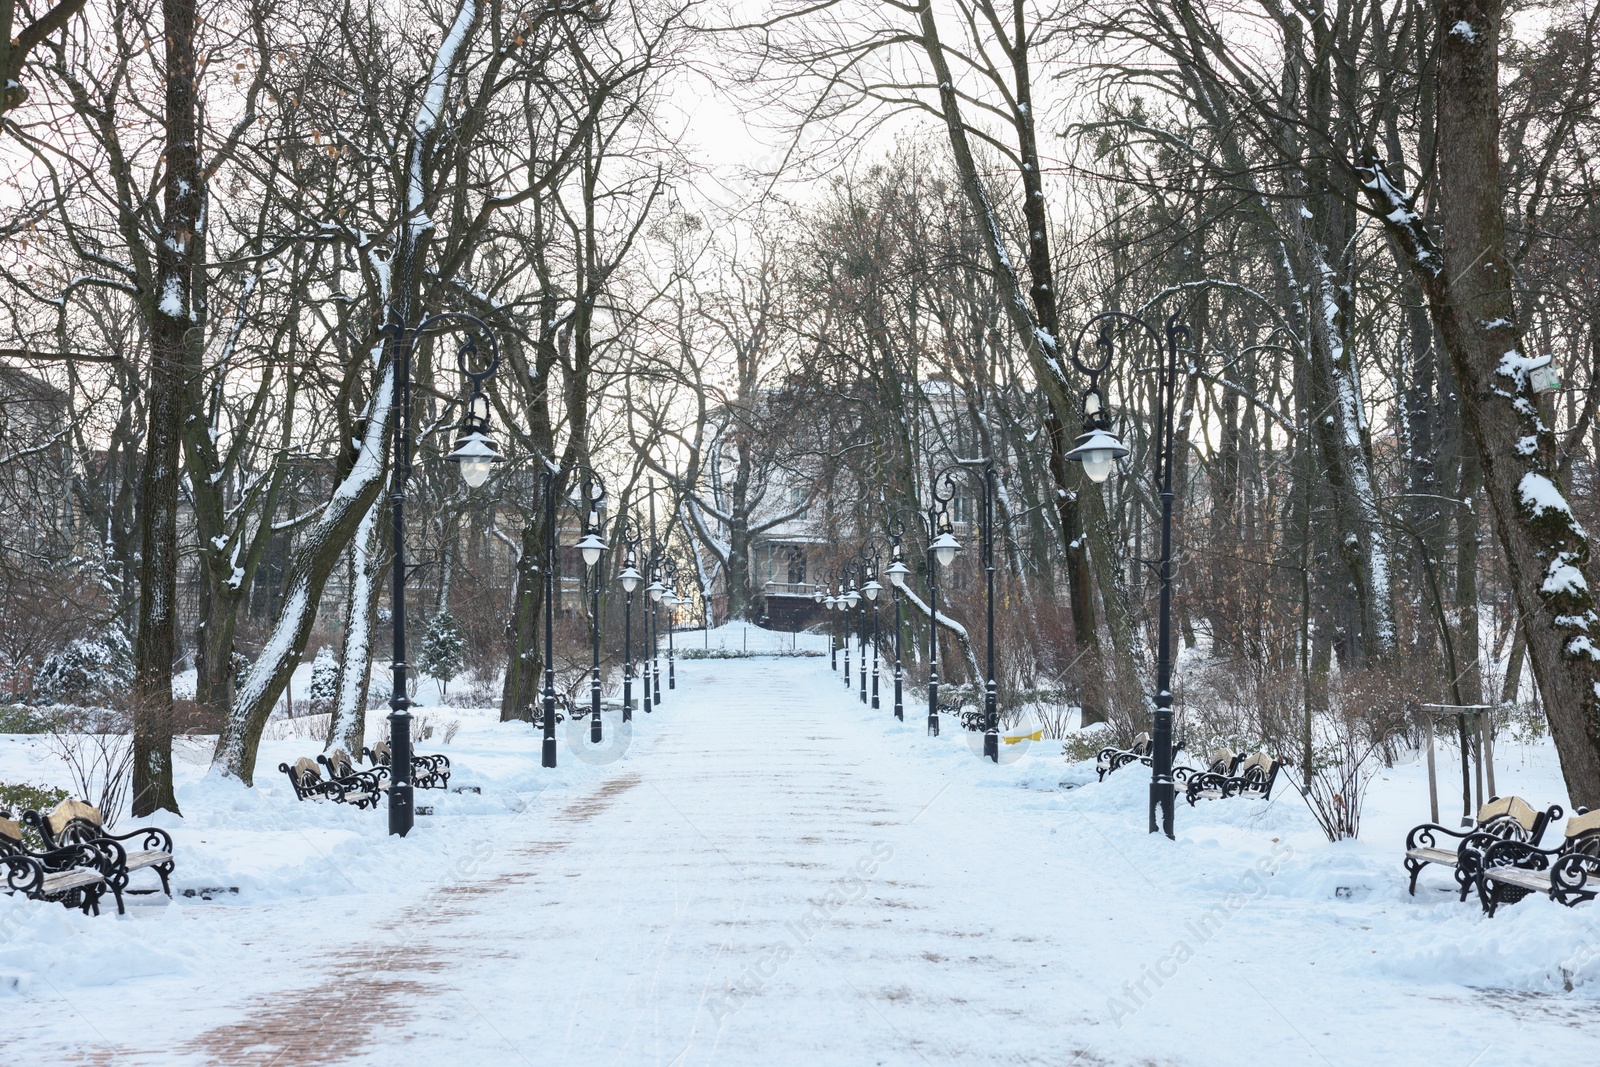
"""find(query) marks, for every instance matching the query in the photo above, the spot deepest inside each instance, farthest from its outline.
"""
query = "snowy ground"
(767, 872)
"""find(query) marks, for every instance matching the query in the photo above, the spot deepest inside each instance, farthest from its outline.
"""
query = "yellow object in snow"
(1033, 732)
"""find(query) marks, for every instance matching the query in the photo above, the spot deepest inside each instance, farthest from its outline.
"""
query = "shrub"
(90, 670)
(324, 682)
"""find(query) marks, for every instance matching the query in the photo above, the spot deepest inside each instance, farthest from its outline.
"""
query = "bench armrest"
(1509, 852)
(1427, 835)
(23, 874)
(154, 838)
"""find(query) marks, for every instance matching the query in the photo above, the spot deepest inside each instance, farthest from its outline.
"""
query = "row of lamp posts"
(1097, 448)
(475, 453)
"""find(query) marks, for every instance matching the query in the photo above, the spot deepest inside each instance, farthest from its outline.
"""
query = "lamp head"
(872, 588)
(630, 578)
(475, 450)
(1097, 449)
(897, 573)
(592, 545)
(945, 547)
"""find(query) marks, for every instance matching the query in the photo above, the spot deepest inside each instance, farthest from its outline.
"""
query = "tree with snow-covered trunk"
(359, 488)
(347, 725)
(1466, 271)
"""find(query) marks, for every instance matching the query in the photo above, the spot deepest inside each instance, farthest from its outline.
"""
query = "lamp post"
(670, 599)
(593, 546)
(898, 572)
(942, 549)
(656, 590)
(475, 453)
(870, 589)
(825, 598)
(846, 600)
(1098, 448)
(985, 525)
(629, 578)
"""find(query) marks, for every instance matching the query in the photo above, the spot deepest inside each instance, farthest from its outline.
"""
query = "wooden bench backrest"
(10, 829)
(1584, 825)
(305, 770)
(1222, 757)
(68, 810)
(380, 753)
(1260, 759)
(1141, 744)
(339, 763)
(1509, 807)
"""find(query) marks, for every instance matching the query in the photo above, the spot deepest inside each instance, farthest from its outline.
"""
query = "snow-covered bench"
(1113, 758)
(361, 789)
(76, 875)
(427, 771)
(1253, 777)
(74, 822)
(1502, 818)
(1510, 870)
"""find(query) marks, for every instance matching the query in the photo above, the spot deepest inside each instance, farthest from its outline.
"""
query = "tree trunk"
(519, 695)
(1469, 280)
(347, 726)
(170, 313)
(319, 552)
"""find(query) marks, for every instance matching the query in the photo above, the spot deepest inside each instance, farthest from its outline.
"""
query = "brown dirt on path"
(367, 987)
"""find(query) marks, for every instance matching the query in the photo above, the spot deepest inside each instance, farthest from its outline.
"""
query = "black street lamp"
(825, 598)
(870, 589)
(898, 571)
(670, 599)
(942, 549)
(593, 547)
(991, 712)
(1098, 448)
(476, 454)
(629, 578)
(846, 600)
(657, 589)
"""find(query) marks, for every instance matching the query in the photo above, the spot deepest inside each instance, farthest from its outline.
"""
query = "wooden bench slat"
(1445, 856)
(1539, 881)
(152, 858)
(55, 883)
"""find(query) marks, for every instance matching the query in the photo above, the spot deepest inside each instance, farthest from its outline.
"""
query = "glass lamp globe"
(853, 597)
(592, 545)
(945, 547)
(897, 574)
(629, 578)
(1098, 450)
(655, 589)
(872, 588)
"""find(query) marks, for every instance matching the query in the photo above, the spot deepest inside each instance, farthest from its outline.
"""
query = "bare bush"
(96, 744)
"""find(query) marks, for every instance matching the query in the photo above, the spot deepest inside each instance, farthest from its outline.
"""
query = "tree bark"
(171, 314)
(1469, 282)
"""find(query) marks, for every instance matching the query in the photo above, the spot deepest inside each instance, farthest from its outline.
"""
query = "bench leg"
(1416, 868)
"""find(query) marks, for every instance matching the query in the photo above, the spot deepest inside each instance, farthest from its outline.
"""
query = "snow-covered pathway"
(773, 874)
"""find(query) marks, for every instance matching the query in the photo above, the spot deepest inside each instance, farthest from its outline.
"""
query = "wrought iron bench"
(1502, 818)
(76, 876)
(74, 822)
(1509, 870)
(1113, 758)
(360, 789)
(1253, 776)
(430, 771)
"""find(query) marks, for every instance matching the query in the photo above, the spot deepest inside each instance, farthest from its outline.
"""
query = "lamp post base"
(402, 815)
(1161, 804)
